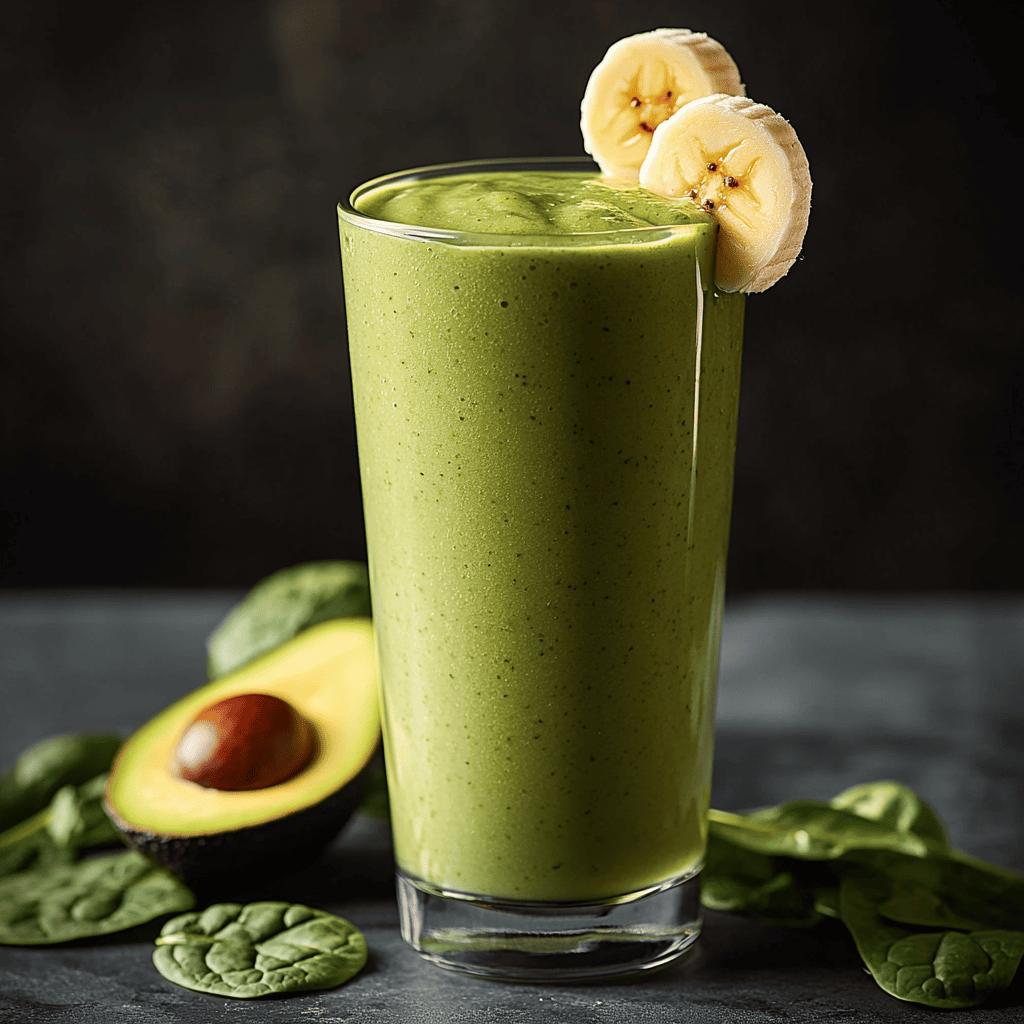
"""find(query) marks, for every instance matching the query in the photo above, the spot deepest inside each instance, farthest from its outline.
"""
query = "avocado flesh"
(328, 673)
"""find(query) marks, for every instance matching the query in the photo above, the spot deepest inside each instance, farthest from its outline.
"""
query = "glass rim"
(493, 239)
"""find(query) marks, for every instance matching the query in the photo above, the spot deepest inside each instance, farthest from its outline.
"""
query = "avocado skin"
(238, 860)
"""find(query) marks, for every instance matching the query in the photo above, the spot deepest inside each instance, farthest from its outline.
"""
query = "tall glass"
(546, 430)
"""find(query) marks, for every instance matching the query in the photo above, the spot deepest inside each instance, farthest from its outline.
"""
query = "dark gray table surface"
(817, 693)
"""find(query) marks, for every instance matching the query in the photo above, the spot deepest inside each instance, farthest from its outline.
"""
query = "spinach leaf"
(894, 805)
(259, 949)
(723, 859)
(783, 900)
(92, 897)
(284, 604)
(876, 815)
(74, 819)
(813, 830)
(968, 889)
(933, 924)
(773, 890)
(45, 767)
(913, 904)
(33, 851)
(826, 900)
(942, 968)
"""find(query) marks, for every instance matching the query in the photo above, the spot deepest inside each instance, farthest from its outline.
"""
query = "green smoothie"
(546, 387)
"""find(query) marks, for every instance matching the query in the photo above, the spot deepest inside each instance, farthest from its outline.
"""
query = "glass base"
(545, 941)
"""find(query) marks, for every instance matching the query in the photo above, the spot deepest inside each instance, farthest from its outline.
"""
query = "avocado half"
(328, 673)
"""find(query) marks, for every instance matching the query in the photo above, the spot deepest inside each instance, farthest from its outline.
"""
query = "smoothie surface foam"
(527, 203)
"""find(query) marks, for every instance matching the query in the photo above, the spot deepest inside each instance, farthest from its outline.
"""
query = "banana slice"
(641, 82)
(743, 161)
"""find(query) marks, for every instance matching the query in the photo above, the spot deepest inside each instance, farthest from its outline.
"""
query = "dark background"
(174, 391)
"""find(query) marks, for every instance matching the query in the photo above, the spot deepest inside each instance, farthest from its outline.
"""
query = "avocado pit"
(245, 742)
